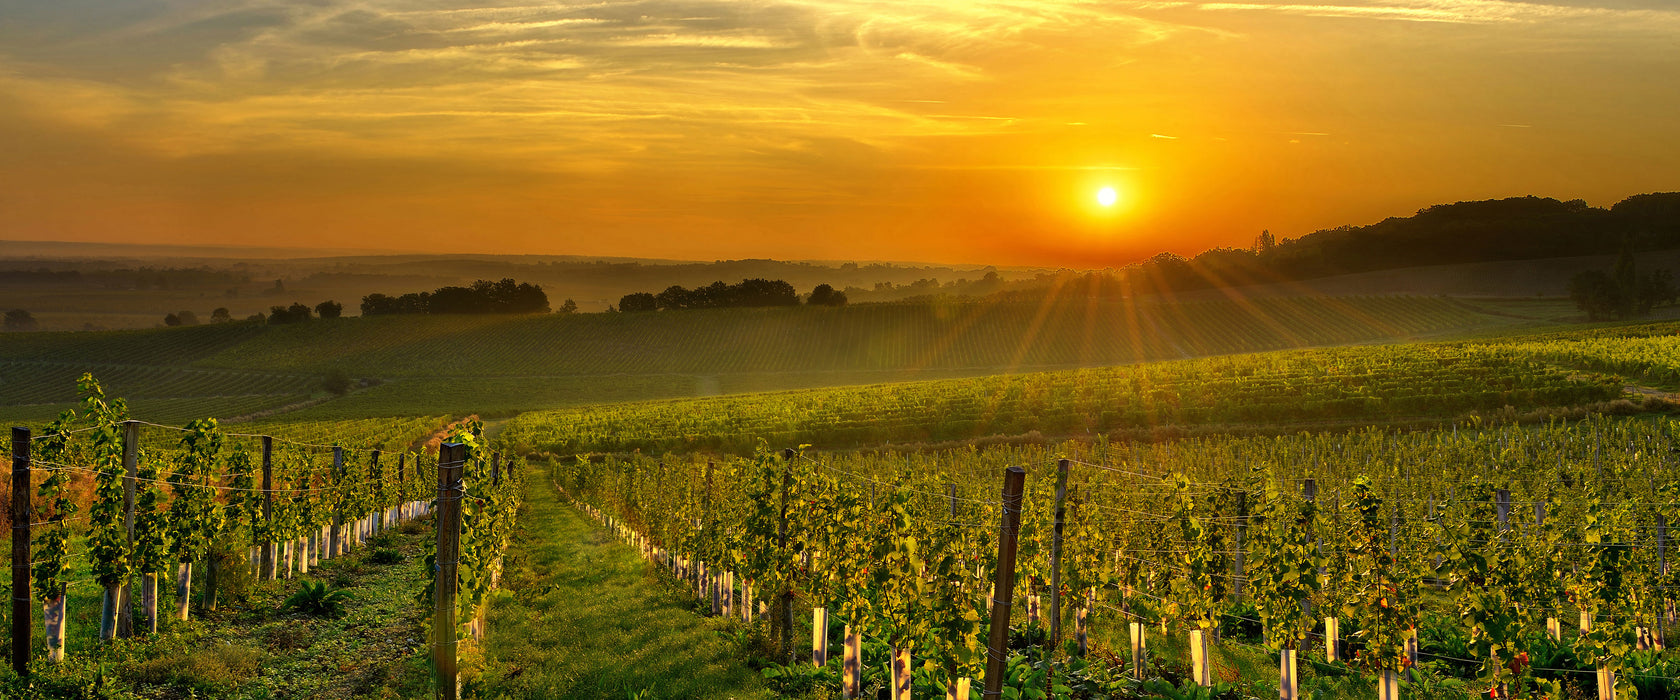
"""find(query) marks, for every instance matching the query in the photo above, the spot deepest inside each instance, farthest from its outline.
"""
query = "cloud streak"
(1448, 11)
(994, 108)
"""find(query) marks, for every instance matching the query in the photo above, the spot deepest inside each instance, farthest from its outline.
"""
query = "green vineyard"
(1528, 562)
(126, 528)
(1199, 522)
(1359, 384)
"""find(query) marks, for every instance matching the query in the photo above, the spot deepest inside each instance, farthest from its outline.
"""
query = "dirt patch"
(1652, 392)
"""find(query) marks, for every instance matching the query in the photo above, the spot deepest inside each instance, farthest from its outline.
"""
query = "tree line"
(1518, 228)
(483, 297)
(719, 295)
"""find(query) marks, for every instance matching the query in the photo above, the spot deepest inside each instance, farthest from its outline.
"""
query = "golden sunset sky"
(815, 129)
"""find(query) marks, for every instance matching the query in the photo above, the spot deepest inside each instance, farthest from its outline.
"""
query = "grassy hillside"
(863, 337)
(500, 365)
(1331, 386)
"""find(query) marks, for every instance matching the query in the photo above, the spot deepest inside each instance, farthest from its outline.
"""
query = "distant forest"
(483, 297)
(130, 289)
(1519, 228)
(125, 278)
(720, 295)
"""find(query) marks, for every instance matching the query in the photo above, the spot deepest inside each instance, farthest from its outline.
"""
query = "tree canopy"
(717, 295)
(483, 297)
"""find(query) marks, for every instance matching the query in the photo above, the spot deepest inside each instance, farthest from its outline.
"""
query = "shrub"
(385, 555)
(336, 382)
(213, 670)
(20, 320)
(317, 599)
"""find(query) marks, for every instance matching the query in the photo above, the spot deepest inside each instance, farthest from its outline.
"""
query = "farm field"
(1442, 555)
(1186, 509)
(1348, 385)
(500, 366)
(1518, 373)
(290, 558)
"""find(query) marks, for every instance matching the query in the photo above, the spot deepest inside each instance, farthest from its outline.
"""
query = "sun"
(1107, 196)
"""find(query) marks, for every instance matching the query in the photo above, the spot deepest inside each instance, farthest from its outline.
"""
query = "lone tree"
(826, 295)
(336, 382)
(1622, 293)
(329, 309)
(220, 315)
(20, 320)
(568, 307)
(171, 320)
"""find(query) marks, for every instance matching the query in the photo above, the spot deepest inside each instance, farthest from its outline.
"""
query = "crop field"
(1227, 487)
(500, 366)
(1524, 559)
(213, 525)
(1361, 384)
(170, 394)
(1654, 359)
(865, 337)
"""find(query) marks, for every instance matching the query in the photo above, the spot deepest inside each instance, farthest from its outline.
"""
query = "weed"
(385, 555)
(317, 599)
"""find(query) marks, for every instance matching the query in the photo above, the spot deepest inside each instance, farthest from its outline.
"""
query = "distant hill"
(1519, 228)
(500, 365)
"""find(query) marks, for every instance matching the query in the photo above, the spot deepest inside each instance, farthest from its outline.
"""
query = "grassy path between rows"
(583, 616)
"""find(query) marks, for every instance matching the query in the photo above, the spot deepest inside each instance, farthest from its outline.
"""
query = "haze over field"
(799, 129)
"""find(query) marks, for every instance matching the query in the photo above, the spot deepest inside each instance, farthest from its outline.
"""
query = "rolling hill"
(501, 365)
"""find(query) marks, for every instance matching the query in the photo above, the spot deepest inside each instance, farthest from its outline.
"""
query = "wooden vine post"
(131, 465)
(376, 519)
(335, 540)
(1661, 638)
(451, 457)
(1554, 628)
(266, 570)
(402, 481)
(1056, 554)
(785, 600)
(22, 598)
(1003, 586)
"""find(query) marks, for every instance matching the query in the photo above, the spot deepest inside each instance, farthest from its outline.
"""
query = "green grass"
(249, 647)
(582, 616)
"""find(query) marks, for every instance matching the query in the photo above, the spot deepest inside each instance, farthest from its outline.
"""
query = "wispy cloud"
(1452, 11)
(702, 40)
(816, 102)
